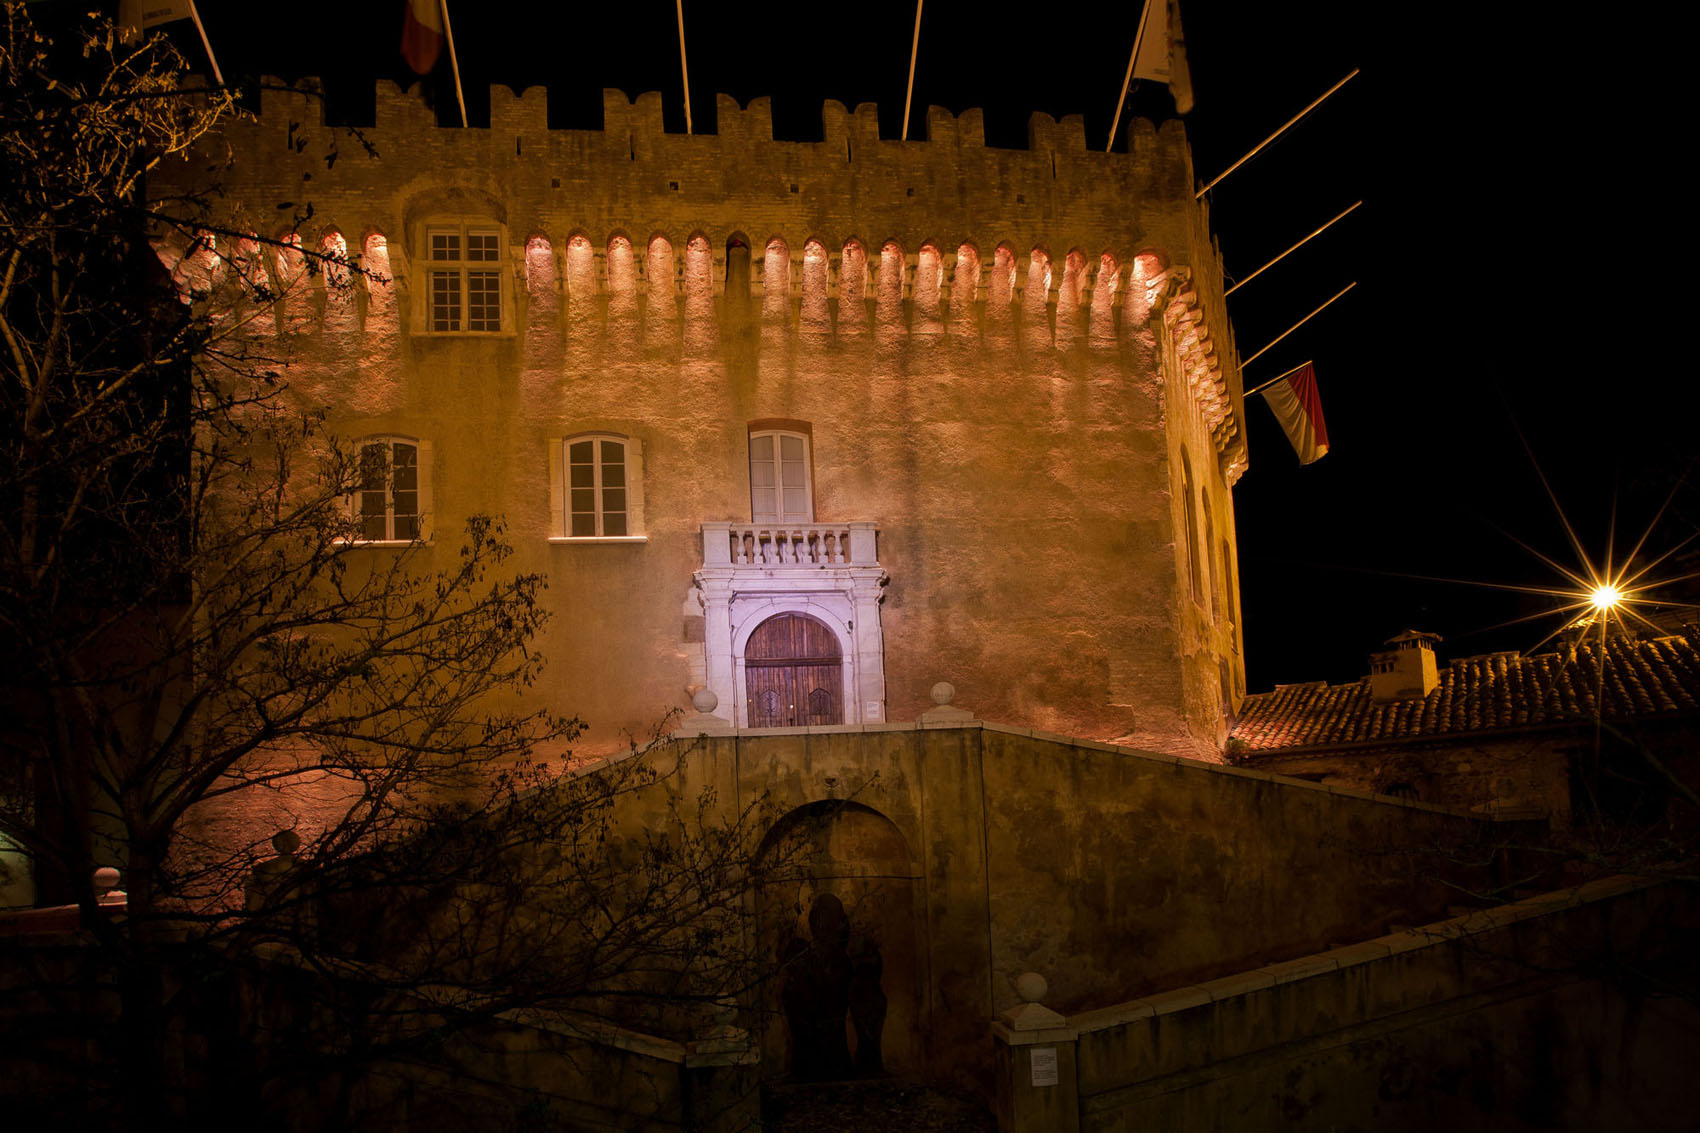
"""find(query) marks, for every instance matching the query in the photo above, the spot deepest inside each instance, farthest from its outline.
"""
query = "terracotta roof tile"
(1646, 677)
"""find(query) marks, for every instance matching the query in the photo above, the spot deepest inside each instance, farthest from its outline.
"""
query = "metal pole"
(217, 77)
(454, 63)
(1276, 134)
(914, 46)
(1127, 79)
(1248, 361)
(1283, 255)
(683, 69)
(1276, 378)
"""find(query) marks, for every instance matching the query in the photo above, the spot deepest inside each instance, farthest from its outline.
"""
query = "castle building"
(807, 425)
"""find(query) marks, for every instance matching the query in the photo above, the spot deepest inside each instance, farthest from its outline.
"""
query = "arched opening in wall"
(793, 673)
(540, 271)
(816, 313)
(1189, 510)
(699, 275)
(1035, 299)
(846, 1001)
(1148, 274)
(776, 278)
(1104, 298)
(581, 273)
(661, 275)
(622, 266)
(965, 280)
(333, 258)
(291, 262)
(888, 306)
(852, 281)
(1000, 288)
(737, 269)
(929, 277)
(375, 260)
(1209, 542)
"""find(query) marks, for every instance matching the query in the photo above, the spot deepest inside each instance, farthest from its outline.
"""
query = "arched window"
(463, 276)
(1194, 575)
(781, 482)
(389, 501)
(1209, 542)
(1228, 585)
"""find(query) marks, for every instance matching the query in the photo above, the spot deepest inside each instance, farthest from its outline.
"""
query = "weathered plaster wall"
(1004, 393)
(1529, 1016)
(1566, 774)
(1111, 872)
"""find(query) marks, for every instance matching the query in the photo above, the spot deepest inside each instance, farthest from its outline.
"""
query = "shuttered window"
(780, 488)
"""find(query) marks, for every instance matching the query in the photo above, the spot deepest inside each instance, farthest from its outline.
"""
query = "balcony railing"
(794, 545)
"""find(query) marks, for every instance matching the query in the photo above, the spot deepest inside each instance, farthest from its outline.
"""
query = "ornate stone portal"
(826, 572)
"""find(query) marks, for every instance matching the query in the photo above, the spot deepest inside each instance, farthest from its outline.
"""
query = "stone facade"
(1009, 372)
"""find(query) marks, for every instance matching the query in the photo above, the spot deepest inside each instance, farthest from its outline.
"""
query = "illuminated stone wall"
(999, 356)
(972, 852)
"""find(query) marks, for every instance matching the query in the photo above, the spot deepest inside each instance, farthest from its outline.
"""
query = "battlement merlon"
(634, 178)
(875, 188)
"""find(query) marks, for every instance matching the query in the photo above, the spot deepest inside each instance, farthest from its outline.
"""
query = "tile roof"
(1495, 691)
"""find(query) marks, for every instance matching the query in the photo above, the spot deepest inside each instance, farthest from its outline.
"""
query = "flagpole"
(1276, 378)
(454, 63)
(1276, 134)
(206, 43)
(1127, 79)
(914, 48)
(1248, 361)
(683, 69)
(1285, 254)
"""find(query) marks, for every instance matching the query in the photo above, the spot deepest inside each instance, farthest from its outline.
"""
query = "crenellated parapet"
(631, 230)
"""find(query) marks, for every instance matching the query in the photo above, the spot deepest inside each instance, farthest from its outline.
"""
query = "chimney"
(1406, 671)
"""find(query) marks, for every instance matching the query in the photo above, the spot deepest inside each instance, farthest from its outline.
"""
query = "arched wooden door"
(793, 674)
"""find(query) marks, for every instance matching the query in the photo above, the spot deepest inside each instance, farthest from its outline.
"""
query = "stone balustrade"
(788, 545)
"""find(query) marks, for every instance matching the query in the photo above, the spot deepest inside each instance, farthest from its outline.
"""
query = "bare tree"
(192, 629)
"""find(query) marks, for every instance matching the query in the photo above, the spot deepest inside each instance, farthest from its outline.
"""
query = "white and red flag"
(422, 34)
(1298, 406)
(1161, 51)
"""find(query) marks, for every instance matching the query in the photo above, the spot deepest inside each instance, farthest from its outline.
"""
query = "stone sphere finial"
(286, 842)
(105, 879)
(1031, 987)
(705, 701)
(943, 693)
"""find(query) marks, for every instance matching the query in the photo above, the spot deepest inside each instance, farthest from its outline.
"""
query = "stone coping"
(1351, 955)
(728, 1046)
(724, 731)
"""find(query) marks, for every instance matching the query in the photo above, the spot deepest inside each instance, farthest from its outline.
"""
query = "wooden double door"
(793, 674)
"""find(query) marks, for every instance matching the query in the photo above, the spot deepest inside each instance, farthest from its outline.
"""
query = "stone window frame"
(560, 516)
(423, 492)
(427, 269)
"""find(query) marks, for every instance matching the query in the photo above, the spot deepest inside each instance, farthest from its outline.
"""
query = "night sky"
(1519, 178)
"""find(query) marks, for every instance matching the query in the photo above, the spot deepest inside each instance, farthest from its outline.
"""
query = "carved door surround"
(841, 591)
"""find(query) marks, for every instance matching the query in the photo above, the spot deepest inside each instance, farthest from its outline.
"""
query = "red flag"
(422, 34)
(1298, 406)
